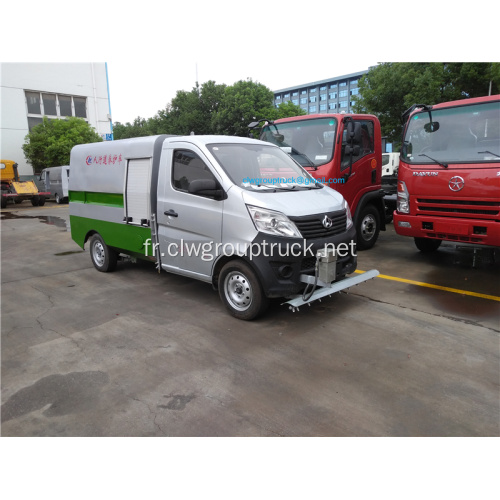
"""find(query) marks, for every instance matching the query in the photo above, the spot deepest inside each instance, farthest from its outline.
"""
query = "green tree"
(391, 88)
(49, 144)
(241, 103)
(139, 128)
(288, 109)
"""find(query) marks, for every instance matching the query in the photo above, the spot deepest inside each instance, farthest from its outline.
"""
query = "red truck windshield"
(309, 142)
(462, 134)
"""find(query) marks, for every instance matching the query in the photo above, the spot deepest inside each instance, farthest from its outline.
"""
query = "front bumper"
(477, 231)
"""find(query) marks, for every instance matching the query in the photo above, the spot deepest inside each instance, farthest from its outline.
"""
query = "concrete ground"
(137, 353)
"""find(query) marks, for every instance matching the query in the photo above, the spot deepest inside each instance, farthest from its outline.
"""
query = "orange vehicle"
(16, 190)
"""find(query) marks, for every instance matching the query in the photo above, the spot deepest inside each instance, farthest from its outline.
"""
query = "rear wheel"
(241, 292)
(41, 201)
(103, 257)
(35, 200)
(4, 202)
(368, 227)
(427, 244)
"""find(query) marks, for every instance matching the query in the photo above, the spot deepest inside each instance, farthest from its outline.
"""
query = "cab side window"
(367, 145)
(187, 167)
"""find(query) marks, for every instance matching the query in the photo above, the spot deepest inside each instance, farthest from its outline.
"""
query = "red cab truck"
(344, 152)
(449, 173)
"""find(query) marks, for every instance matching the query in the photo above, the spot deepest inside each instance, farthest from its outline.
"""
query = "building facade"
(30, 91)
(335, 95)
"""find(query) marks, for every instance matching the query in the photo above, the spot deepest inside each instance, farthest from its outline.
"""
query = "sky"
(154, 49)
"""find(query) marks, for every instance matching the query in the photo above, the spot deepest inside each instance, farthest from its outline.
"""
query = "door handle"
(171, 213)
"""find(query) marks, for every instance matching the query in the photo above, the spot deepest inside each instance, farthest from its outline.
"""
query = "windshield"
(262, 167)
(309, 142)
(463, 134)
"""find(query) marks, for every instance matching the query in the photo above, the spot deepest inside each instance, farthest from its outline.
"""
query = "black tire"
(41, 201)
(4, 202)
(367, 228)
(35, 200)
(427, 245)
(241, 291)
(58, 198)
(103, 257)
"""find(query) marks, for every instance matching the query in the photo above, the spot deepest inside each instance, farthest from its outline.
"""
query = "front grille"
(312, 227)
(453, 207)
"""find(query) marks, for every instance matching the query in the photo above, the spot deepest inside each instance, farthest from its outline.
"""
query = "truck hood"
(296, 203)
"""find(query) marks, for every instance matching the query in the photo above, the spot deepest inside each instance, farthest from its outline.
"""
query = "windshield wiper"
(445, 165)
(489, 152)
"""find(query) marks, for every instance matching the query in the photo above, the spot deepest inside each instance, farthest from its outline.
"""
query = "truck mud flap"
(325, 289)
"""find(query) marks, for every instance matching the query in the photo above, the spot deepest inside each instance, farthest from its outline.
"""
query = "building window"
(312, 90)
(40, 104)
(343, 93)
(295, 94)
(295, 101)
(322, 97)
(312, 98)
(355, 91)
(343, 84)
(333, 86)
(312, 109)
(343, 104)
(303, 92)
(333, 95)
(354, 82)
(303, 100)
(323, 88)
(322, 107)
(332, 105)
(278, 97)
(286, 96)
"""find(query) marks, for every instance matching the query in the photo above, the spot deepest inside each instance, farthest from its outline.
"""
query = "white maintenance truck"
(234, 212)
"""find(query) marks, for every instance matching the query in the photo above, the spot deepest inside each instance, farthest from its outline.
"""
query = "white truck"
(55, 180)
(234, 212)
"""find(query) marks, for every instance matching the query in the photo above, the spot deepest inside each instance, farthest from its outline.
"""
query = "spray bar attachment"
(322, 283)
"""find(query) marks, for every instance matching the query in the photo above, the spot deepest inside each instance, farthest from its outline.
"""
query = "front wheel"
(103, 257)
(241, 292)
(427, 244)
(368, 227)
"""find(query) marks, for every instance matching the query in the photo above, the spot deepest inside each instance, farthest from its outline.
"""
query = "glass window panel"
(188, 166)
(49, 104)
(33, 122)
(65, 105)
(80, 107)
(33, 100)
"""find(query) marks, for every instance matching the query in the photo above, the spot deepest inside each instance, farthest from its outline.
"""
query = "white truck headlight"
(271, 222)
(349, 221)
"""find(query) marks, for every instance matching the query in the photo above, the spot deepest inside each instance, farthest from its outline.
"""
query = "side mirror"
(352, 150)
(353, 132)
(205, 187)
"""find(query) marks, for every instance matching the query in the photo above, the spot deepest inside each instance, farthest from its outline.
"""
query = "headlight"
(349, 222)
(403, 204)
(271, 222)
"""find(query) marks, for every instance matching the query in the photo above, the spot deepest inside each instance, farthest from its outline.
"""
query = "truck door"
(189, 224)
(363, 176)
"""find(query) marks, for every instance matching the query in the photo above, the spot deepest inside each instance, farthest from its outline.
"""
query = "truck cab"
(449, 174)
(343, 152)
